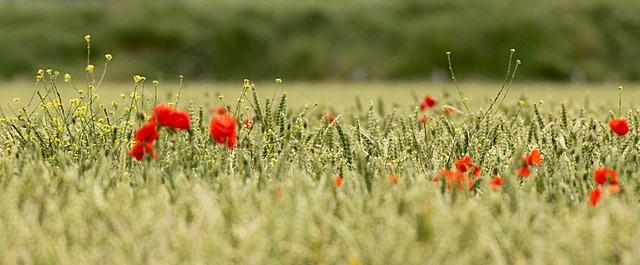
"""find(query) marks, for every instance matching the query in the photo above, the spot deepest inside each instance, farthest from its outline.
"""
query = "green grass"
(71, 194)
(343, 96)
(202, 203)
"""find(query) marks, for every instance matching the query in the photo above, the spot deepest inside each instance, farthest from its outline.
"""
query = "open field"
(280, 172)
(71, 194)
(343, 96)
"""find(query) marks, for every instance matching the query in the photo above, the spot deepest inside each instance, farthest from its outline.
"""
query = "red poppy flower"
(496, 182)
(430, 101)
(218, 110)
(427, 103)
(147, 133)
(338, 181)
(331, 117)
(619, 126)
(423, 105)
(463, 164)
(533, 158)
(279, 191)
(456, 176)
(137, 150)
(394, 179)
(422, 120)
(523, 171)
(594, 196)
(162, 114)
(180, 120)
(169, 116)
(476, 171)
(600, 176)
(224, 128)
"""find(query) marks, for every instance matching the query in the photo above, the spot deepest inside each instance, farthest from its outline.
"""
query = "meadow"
(374, 173)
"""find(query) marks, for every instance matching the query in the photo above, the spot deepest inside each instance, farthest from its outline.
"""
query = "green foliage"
(71, 194)
(231, 40)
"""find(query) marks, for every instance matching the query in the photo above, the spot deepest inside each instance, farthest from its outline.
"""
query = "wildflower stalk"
(273, 98)
(503, 83)
(34, 92)
(456, 83)
(515, 69)
(179, 95)
(126, 126)
(142, 97)
(89, 86)
(520, 104)
(155, 94)
(104, 72)
(88, 39)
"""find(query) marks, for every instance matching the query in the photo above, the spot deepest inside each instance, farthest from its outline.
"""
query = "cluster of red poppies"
(604, 177)
(533, 158)
(392, 178)
(222, 128)
(161, 115)
(331, 117)
(428, 102)
(458, 176)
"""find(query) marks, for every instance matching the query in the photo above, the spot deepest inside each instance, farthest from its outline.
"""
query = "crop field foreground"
(418, 173)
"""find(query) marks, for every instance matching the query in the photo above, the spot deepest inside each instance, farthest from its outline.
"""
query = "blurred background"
(557, 40)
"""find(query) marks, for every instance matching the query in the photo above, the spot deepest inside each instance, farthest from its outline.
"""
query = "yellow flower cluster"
(138, 78)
